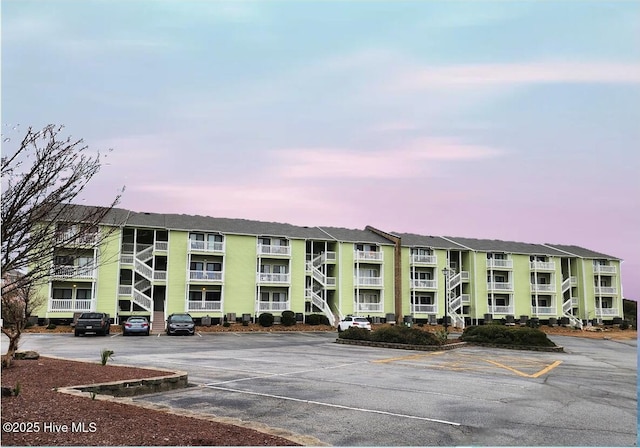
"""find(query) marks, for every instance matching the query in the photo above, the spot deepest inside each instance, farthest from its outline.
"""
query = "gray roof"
(582, 252)
(511, 247)
(435, 242)
(355, 235)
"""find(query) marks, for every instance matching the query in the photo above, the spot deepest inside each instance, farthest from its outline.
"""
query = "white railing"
(206, 246)
(367, 281)
(607, 312)
(458, 278)
(425, 284)
(143, 269)
(81, 272)
(210, 276)
(539, 287)
(499, 263)
(76, 238)
(145, 252)
(604, 269)
(501, 309)
(367, 255)
(264, 249)
(466, 298)
(125, 290)
(70, 305)
(542, 265)
(606, 290)
(368, 307)
(568, 283)
(324, 257)
(273, 306)
(142, 299)
(500, 286)
(423, 259)
(549, 310)
(159, 275)
(273, 278)
(126, 258)
(419, 308)
(161, 245)
(199, 305)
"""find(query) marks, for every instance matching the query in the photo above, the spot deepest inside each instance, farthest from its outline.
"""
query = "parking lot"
(350, 395)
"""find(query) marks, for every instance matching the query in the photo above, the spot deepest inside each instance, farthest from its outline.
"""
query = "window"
(421, 275)
(421, 251)
(83, 294)
(63, 260)
(62, 293)
(368, 273)
(423, 300)
(196, 236)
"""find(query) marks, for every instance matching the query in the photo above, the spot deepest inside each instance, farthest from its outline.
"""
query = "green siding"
(177, 258)
(108, 275)
(240, 274)
(298, 275)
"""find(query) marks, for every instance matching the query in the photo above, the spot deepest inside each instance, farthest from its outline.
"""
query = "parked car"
(354, 321)
(136, 324)
(181, 323)
(98, 323)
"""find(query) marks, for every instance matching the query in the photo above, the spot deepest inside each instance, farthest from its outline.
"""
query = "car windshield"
(360, 319)
(137, 319)
(181, 319)
(91, 316)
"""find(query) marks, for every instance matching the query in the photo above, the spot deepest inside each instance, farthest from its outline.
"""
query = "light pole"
(446, 271)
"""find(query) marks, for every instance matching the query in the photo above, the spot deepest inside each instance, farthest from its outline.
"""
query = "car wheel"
(76, 333)
(147, 333)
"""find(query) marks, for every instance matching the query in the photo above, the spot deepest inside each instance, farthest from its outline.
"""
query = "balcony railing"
(273, 278)
(206, 246)
(368, 307)
(424, 284)
(501, 309)
(161, 245)
(206, 276)
(499, 263)
(200, 305)
(500, 286)
(367, 255)
(542, 265)
(79, 272)
(423, 259)
(264, 249)
(367, 281)
(125, 290)
(603, 269)
(70, 305)
(273, 306)
(539, 287)
(602, 290)
(419, 308)
(607, 312)
(159, 275)
(540, 310)
(75, 238)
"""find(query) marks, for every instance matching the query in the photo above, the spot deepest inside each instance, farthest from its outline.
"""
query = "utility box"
(231, 317)
(206, 321)
(390, 318)
(408, 321)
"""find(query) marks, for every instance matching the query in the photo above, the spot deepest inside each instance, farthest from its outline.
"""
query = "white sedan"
(354, 321)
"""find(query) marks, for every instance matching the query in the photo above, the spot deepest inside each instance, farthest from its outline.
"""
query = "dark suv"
(181, 323)
(98, 323)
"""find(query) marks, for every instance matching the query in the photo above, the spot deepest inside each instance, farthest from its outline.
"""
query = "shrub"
(226, 324)
(245, 323)
(265, 319)
(400, 334)
(360, 334)
(624, 325)
(317, 319)
(105, 356)
(288, 318)
(51, 327)
(498, 334)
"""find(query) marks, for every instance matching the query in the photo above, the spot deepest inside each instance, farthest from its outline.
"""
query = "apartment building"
(157, 264)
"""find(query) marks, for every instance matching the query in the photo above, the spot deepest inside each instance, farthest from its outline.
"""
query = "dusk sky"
(505, 120)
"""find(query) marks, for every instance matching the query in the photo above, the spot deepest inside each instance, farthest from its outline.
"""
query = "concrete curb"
(424, 348)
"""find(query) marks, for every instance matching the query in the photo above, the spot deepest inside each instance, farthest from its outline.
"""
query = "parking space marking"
(331, 405)
(402, 358)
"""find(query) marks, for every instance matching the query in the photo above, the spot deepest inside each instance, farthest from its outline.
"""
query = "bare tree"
(17, 307)
(41, 179)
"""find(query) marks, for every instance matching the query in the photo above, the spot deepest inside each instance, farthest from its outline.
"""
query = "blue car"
(136, 324)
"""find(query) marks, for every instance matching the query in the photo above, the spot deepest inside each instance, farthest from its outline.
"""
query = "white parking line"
(271, 375)
(331, 405)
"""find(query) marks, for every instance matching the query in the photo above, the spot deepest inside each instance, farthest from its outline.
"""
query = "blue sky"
(508, 120)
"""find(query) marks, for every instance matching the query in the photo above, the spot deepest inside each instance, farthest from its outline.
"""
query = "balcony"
(544, 310)
(423, 259)
(162, 246)
(542, 265)
(428, 309)
(73, 272)
(606, 290)
(367, 282)
(72, 238)
(70, 305)
(502, 309)
(206, 246)
(497, 263)
(160, 275)
(200, 305)
(273, 278)
(368, 308)
(264, 249)
(499, 286)
(607, 312)
(205, 276)
(424, 284)
(539, 287)
(368, 256)
(273, 306)
(602, 269)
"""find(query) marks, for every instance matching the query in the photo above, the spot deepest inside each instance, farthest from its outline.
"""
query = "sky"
(507, 120)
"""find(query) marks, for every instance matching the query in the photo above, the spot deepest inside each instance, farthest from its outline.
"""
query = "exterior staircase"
(320, 282)
(157, 322)
(567, 305)
(454, 302)
(142, 288)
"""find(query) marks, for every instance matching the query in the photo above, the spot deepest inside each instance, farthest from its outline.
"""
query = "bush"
(317, 319)
(498, 334)
(265, 319)
(226, 324)
(359, 334)
(288, 318)
(105, 356)
(51, 327)
(400, 334)
(245, 323)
